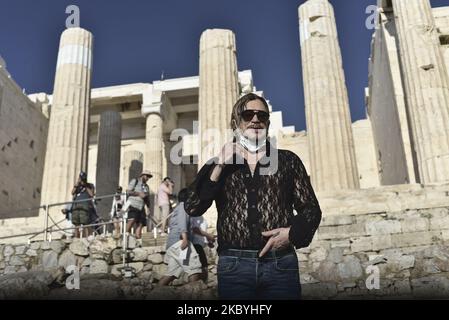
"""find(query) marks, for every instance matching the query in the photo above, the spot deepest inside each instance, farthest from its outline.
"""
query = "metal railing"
(48, 230)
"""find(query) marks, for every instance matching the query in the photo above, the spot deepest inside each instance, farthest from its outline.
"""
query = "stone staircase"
(148, 240)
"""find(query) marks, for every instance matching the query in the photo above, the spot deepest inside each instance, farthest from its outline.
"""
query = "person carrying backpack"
(82, 193)
(139, 196)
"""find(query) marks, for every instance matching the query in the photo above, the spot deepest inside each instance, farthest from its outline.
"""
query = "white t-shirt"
(201, 223)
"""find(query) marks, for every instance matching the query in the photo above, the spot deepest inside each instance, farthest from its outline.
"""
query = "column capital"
(151, 109)
(152, 101)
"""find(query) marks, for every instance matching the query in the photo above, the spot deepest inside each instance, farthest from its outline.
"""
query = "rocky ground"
(52, 285)
(40, 270)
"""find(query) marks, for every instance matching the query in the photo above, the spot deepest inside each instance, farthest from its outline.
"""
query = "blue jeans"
(258, 279)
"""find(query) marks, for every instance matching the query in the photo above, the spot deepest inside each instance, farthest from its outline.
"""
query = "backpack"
(135, 184)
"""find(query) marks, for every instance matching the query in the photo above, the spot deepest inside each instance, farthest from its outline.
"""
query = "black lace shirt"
(248, 205)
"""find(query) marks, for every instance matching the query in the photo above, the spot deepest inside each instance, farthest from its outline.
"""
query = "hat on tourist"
(146, 173)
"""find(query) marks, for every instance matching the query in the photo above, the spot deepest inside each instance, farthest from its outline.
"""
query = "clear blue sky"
(136, 40)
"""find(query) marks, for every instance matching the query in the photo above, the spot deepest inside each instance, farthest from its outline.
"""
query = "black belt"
(254, 254)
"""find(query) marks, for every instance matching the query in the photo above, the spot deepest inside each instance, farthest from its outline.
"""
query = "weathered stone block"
(159, 270)
(361, 244)
(381, 242)
(439, 223)
(445, 234)
(340, 244)
(155, 258)
(302, 257)
(335, 255)
(138, 266)
(139, 254)
(307, 278)
(49, 259)
(337, 220)
(67, 258)
(8, 251)
(16, 261)
(35, 245)
(383, 227)
(341, 232)
(57, 246)
(98, 266)
(79, 247)
(415, 224)
(414, 238)
(20, 250)
(9, 270)
(318, 254)
(31, 253)
(350, 269)
(45, 245)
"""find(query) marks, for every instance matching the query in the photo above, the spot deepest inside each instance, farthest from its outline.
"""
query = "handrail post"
(125, 242)
(46, 223)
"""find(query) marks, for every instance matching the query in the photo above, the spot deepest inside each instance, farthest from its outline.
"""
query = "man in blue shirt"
(181, 256)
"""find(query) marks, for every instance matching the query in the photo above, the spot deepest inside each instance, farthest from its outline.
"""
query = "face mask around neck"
(250, 145)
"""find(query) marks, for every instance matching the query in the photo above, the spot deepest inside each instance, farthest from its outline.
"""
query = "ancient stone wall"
(23, 138)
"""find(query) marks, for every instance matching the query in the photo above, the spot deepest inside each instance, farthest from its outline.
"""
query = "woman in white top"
(117, 210)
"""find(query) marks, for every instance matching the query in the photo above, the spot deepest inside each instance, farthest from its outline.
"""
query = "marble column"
(218, 91)
(67, 142)
(426, 86)
(332, 154)
(154, 150)
(108, 160)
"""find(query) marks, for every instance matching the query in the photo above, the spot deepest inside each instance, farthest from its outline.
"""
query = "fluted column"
(67, 141)
(426, 86)
(108, 159)
(132, 166)
(218, 89)
(331, 144)
(153, 150)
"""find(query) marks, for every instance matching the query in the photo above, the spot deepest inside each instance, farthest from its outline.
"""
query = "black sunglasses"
(248, 115)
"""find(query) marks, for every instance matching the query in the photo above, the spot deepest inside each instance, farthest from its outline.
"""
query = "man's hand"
(141, 195)
(184, 244)
(210, 238)
(278, 239)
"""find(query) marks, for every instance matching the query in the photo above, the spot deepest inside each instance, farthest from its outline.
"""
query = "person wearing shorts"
(200, 239)
(181, 256)
(82, 193)
(139, 195)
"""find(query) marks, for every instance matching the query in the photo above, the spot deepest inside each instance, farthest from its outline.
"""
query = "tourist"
(139, 196)
(200, 239)
(67, 211)
(117, 211)
(256, 226)
(180, 256)
(163, 198)
(82, 193)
